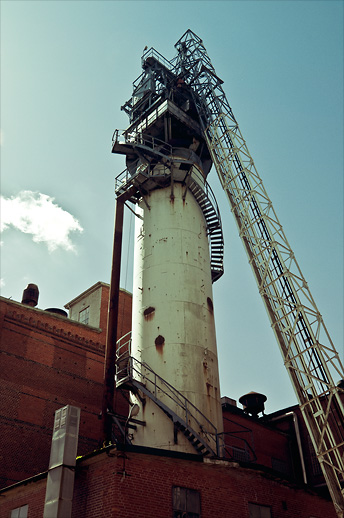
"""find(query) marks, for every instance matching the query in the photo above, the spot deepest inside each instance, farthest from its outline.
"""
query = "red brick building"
(48, 361)
(143, 484)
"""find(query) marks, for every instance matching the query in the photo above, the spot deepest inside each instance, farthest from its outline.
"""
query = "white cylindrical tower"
(173, 329)
(170, 364)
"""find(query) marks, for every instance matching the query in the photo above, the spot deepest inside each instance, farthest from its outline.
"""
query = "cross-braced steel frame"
(308, 352)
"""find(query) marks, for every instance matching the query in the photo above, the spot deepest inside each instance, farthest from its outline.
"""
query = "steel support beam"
(112, 325)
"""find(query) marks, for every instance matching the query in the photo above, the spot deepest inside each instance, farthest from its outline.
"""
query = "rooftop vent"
(253, 403)
(57, 311)
(30, 295)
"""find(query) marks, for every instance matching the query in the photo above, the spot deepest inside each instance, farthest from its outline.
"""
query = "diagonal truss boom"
(308, 352)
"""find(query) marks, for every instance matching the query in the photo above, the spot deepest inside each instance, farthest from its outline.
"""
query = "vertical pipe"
(112, 325)
(298, 440)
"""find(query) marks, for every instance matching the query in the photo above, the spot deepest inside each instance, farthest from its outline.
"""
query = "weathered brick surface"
(262, 441)
(101, 490)
(32, 495)
(46, 362)
(146, 491)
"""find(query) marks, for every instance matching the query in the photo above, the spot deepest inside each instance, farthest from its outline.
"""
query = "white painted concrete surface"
(173, 321)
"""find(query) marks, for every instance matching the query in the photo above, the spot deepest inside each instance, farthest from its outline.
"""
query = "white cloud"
(37, 214)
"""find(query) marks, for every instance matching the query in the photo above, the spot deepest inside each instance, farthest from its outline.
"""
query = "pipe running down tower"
(169, 363)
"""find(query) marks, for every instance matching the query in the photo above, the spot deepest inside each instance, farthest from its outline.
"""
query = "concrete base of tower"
(159, 431)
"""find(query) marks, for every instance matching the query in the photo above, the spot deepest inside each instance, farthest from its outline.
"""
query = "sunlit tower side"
(170, 361)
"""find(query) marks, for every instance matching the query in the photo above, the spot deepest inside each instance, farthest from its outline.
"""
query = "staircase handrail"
(158, 145)
(142, 139)
(190, 411)
(226, 446)
(182, 401)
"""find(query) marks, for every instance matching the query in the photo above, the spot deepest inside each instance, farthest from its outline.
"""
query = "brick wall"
(32, 495)
(146, 491)
(46, 362)
(225, 489)
(243, 431)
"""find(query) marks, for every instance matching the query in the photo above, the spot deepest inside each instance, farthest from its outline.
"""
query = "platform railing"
(129, 368)
(153, 53)
(142, 139)
(161, 147)
(158, 57)
(238, 442)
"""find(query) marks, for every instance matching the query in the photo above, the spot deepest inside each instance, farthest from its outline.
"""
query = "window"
(84, 315)
(259, 511)
(20, 512)
(186, 503)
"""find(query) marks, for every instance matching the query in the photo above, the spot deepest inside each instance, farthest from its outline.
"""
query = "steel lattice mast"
(308, 352)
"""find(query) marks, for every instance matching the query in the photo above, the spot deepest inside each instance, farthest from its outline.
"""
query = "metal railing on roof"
(153, 53)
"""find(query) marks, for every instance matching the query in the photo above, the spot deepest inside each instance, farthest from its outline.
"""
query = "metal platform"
(145, 180)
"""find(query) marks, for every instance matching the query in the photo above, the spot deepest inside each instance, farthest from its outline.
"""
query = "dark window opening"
(259, 511)
(186, 503)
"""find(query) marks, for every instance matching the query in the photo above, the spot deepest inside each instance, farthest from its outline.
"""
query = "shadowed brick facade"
(48, 361)
(225, 488)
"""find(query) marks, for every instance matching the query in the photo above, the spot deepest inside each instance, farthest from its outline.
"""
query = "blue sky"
(67, 67)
